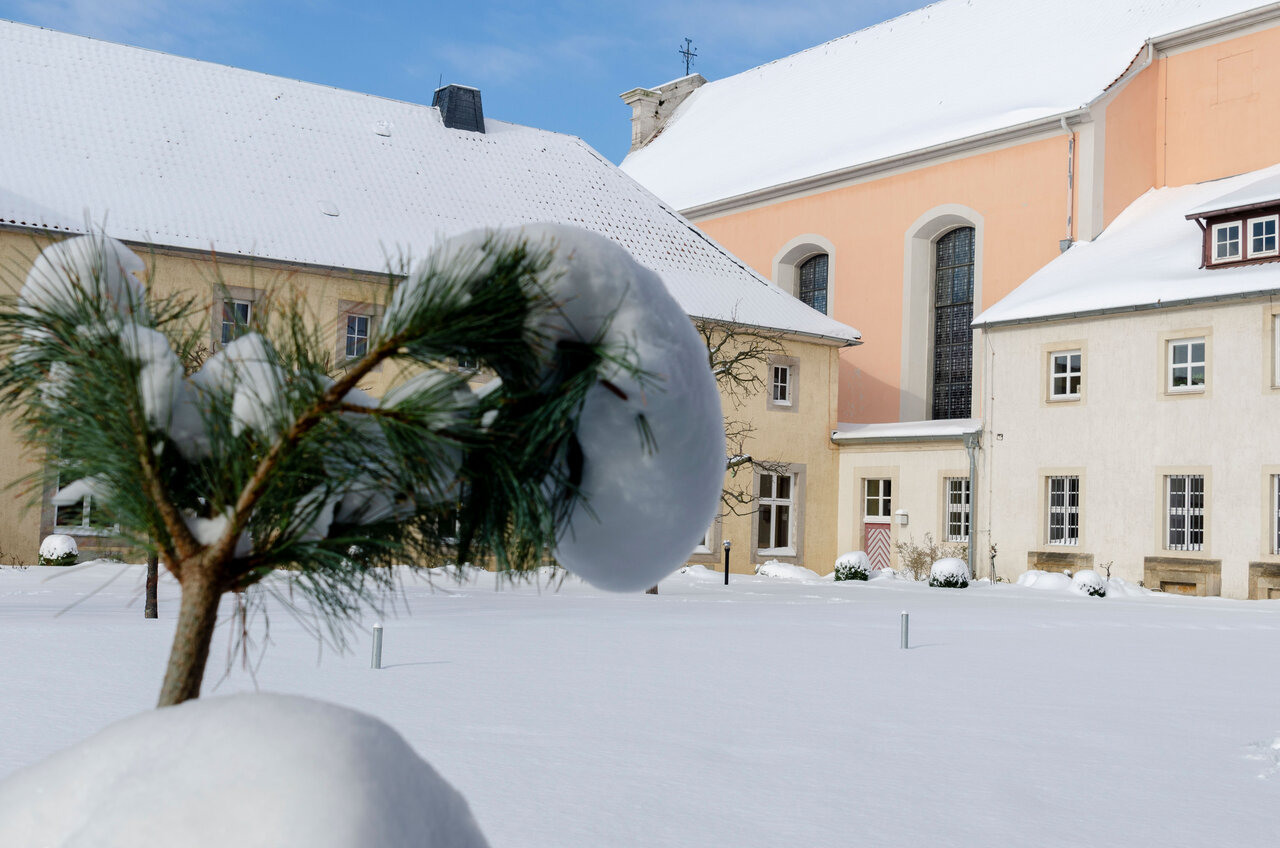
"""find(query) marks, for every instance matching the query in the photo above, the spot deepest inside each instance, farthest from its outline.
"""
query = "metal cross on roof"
(688, 53)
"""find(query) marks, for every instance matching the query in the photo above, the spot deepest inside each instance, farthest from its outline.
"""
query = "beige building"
(215, 173)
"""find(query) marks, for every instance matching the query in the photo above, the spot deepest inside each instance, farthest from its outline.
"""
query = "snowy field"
(774, 712)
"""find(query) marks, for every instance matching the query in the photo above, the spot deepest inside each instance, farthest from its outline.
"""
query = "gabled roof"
(1148, 258)
(187, 154)
(949, 71)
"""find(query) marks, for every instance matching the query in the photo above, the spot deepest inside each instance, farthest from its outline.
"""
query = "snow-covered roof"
(188, 154)
(1149, 257)
(1261, 190)
(906, 431)
(952, 70)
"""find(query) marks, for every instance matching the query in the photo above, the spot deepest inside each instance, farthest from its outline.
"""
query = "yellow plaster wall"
(1020, 191)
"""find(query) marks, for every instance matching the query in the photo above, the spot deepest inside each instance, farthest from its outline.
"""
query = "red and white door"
(877, 512)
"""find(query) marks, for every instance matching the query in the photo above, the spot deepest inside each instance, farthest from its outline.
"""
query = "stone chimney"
(460, 107)
(651, 107)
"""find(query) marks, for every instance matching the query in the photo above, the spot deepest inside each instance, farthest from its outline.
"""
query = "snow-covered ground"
(776, 711)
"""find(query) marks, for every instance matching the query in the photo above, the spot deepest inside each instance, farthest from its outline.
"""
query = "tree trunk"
(152, 610)
(197, 615)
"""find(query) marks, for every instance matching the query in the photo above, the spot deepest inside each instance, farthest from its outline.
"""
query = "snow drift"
(248, 771)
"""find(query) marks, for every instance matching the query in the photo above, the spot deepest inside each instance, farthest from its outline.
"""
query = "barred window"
(1275, 513)
(957, 509)
(952, 314)
(1184, 507)
(813, 283)
(1064, 510)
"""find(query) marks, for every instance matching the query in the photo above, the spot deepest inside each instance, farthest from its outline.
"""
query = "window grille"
(1275, 513)
(957, 509)
(1185, 507)
(813, 283)
(952, 336)
(1064, 510)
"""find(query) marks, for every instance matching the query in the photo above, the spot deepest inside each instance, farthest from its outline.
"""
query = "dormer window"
(1262, 236)
(1226, 242)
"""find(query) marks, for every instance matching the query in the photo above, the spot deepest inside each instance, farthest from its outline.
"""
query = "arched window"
(813, 283)
(952, 313)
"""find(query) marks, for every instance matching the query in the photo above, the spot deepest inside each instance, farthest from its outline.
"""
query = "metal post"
(904, 629)
(376, 661)
(726, 562)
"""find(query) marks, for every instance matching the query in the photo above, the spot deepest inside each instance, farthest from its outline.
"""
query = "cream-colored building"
(1136, 427)
(216, 173)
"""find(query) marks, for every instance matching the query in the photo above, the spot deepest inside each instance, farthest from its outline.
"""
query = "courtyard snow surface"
(769, 712)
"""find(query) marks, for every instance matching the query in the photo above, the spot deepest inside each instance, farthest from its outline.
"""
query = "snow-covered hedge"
(1089, 583)
(251, 771)
(949, 573)
(855, 565)
(58, 550)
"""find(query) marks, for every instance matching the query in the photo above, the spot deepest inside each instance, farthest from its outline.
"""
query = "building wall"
(1131, 142)
(1127, 433)
(917, 471)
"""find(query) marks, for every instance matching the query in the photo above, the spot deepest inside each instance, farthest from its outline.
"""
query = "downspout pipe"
(972, 441)
(1071, 181)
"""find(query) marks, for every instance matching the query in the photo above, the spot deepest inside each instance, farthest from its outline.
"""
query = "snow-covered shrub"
(917, 560)
(949, 573)
(854, 565)
(1089, 583)
(58, 550)
(246, 770)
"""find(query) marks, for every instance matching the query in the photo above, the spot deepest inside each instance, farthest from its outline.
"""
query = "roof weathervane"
(689, 54)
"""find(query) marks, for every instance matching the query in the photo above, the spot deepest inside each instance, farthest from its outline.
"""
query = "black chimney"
(460, 107)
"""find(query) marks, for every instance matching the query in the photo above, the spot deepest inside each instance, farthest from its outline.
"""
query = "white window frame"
(1275, 513)
(956, 492)
(883, 500)
(352, 339)
(1055, 375)
(1275, 236)
(1059, 515)
(1189, 364)
(85, 527)
(780, 385)
(1179, 506)
(704, 544)
(1215, 255)
(773, 506)
(232, 329)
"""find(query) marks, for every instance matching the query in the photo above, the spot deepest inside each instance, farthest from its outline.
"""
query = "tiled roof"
(189, 154)
(951, 70)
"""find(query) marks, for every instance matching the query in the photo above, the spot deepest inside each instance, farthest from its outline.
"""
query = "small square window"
(1065, 375)
(1263, 239)
(1226, 242)
(1187, 365)
(235, 319)
(781, 385)
(878, 500)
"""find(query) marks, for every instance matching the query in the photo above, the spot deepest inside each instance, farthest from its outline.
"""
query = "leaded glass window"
(953, 312)
(813, 283)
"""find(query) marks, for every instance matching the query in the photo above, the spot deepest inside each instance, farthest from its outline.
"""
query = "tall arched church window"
(952, 313)
(813, 283)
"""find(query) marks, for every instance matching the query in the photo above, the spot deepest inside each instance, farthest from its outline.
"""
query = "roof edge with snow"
(949, 429)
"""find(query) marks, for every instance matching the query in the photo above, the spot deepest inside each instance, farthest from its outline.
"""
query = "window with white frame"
(1064, 510)
(1275, 513)
(1226, 242)
(775, 515)
(1184, 512)
(80, 518)
(235, 319)
(357, 336)
(1065, 374)
(1186, 365)
(957, 509)
(704, 544)
(780, 384)
(1263, 237)
(878, 498)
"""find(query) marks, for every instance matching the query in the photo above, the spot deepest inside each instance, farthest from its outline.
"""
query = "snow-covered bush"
(1089, 583)
(253, 771)
(949, 573)
(855, 565)
(58, 549)
(917, 559)
(265, 457)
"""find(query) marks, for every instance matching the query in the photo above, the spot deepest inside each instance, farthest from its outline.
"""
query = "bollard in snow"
(904, 629)
(376, 660)
(726, 562)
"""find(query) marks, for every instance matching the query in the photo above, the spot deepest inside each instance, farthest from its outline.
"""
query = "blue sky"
(557, 64)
